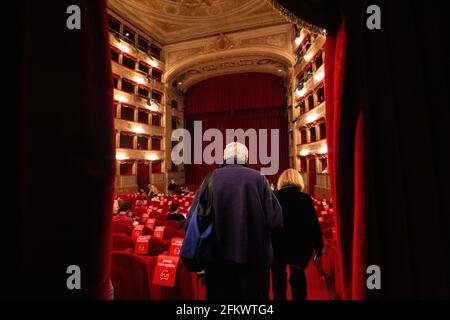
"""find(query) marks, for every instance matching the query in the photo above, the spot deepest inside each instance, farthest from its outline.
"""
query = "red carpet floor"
(317, 289)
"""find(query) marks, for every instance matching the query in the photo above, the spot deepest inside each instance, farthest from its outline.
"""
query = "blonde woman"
(300, 236)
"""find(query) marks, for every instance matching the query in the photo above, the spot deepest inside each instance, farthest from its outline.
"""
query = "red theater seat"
(129, 277)
(121, 242)
(172, 224)
(147, 231)
(180, 233)
(169, 233)
(185, 283)
(121, 228)
(157, 246)
(161, 217)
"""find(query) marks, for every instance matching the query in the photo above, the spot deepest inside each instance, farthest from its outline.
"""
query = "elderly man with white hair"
(245, 214)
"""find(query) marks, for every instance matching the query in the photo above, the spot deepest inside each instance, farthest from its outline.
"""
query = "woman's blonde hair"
(291, 177)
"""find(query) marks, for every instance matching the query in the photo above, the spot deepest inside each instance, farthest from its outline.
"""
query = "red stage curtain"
(249, 100)
(143, 175)
(234, 92)
(77, 163)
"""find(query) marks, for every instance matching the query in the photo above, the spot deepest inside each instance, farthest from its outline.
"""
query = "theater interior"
(362, 114)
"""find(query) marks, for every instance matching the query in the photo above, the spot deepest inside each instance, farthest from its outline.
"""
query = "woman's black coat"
(301, 233)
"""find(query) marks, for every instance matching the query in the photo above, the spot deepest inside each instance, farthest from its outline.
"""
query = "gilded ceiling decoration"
(171, 21)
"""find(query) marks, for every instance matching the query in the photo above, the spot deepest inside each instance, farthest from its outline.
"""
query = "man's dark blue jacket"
(246, 212)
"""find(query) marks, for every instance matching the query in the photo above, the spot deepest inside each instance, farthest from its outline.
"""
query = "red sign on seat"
(137, 231)
(141, 246)
(175, 246)
(159, 232)
(165, 271)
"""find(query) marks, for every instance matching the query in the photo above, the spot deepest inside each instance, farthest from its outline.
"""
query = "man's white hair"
(235, 152)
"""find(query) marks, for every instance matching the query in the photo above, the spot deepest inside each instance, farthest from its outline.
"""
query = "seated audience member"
(116, 206)
(153, 191)
(144, 195)
(174, 213)
(122, 221)
(172, 188)
(300, 236)
(139, 203)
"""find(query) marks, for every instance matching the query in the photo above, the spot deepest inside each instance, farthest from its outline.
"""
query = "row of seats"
(132, 273)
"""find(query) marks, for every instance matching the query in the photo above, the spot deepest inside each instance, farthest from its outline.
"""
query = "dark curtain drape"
(157, 166)
(245, 101)
(66, 181)
(311, 176)
(143, 175)
(387, 119)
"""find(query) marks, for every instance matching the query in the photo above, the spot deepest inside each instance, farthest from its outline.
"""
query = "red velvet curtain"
(143, 175)
(245, 101)
(334, 71)
(387, 124)
(67, 181)
(376, 121)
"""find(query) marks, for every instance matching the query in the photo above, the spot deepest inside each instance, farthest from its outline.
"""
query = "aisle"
(317, 289)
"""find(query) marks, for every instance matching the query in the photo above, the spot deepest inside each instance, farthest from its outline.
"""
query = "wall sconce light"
(152, 157)
(138, 80)
(153, 106)
(304, 153)
(300, 93)
(323, 150)
(123, 47)
(307, 57)
(311, 118)
(121, 156)
(121, 98)
(137, 129)
(319, 76)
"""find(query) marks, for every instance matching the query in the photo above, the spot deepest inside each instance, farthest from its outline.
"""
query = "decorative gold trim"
(294, 19)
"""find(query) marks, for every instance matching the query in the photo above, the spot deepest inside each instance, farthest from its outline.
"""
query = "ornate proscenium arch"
(266, 50)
